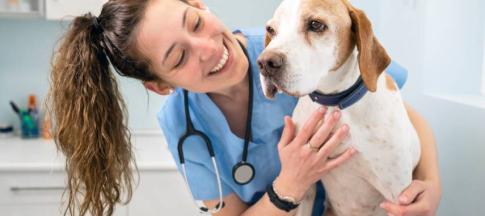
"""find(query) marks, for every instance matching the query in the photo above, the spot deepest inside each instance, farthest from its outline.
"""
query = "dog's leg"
(392, 146)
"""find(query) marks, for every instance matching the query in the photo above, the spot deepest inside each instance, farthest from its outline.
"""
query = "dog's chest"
(370, 134)
(388, 151)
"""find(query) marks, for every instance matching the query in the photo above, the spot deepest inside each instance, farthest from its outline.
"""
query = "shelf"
(4, 14)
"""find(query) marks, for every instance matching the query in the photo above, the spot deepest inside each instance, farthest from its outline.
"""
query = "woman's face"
(189, 47)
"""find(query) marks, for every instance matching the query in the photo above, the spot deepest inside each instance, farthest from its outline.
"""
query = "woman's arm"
(427, 169)
(301, 166)
(234, 206)
(423, 195)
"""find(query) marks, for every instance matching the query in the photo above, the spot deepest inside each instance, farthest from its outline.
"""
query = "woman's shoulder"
(254, 39)
(171, 115)
(398, 73)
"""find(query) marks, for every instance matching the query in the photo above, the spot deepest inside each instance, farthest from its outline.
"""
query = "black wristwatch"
(284, 203)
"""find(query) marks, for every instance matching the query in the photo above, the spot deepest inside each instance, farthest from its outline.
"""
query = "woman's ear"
(197, 4)
(158, 87)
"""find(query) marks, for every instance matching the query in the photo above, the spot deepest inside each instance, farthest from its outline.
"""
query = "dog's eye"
(270, 30)
(316, 26)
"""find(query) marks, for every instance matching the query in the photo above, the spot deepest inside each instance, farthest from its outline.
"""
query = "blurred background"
(440, 42)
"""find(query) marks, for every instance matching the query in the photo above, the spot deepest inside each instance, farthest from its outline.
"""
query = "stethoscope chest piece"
(243, 172)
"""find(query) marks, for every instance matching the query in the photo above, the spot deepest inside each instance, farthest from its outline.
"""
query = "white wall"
(440, 42)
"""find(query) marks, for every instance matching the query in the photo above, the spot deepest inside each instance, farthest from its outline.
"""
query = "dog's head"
(306, 40)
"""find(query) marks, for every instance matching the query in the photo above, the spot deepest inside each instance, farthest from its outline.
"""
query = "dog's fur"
(330, 62)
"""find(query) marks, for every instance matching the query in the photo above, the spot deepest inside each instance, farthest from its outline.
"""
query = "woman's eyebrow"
(184, 18)
(168, 53)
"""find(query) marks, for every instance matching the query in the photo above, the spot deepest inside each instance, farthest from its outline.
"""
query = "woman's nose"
(206, 48)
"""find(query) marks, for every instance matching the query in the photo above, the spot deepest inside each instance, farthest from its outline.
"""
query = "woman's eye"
(316, 26)
(197, 24)
(181, 59)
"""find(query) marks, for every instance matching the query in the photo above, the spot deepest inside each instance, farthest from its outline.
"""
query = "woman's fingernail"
(345, 128)
(403, 199)
(322, 109)
(336, 114)
(382, 205)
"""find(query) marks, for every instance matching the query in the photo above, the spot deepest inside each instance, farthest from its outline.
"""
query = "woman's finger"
(392, 209)
(333, 142)
(411, 192)
(417, 208)
(288, 133)
(332, 163)
(309, 127)
(321, 135)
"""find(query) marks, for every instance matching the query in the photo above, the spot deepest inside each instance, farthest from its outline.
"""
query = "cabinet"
(51, 9)
(26, 193)
(32, 180)
(161, 192)
(68, 9)
(21, 8)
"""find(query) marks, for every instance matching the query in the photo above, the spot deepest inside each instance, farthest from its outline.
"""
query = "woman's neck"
(233, 103)
(232, 93)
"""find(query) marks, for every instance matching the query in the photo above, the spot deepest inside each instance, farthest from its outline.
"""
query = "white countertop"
(18, 154)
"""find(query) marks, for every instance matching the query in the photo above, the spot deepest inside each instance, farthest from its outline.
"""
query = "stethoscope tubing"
(220, 205)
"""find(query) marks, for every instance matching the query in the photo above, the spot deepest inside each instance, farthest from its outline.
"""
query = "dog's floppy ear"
(267, 39)
(373, 58)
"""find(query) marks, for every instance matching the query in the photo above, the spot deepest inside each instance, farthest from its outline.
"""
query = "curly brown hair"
(88, 110)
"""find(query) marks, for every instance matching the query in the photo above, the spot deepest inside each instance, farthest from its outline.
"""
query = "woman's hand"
(304, 157)
(421, 198)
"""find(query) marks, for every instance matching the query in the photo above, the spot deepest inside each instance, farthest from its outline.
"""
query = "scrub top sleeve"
(202, 180)
(398, 73)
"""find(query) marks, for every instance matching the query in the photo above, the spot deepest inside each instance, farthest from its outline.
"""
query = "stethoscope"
(243, 172)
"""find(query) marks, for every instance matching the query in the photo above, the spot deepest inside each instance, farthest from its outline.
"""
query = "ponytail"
(90, 125)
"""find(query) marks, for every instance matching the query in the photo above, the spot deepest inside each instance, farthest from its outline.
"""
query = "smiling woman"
(132, 37)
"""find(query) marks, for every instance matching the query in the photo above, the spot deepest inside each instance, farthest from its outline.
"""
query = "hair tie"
(96, 25)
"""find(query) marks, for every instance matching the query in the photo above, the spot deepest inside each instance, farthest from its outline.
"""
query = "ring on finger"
(313, 148)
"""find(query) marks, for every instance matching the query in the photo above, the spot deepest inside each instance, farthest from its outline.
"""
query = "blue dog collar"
(343, 99)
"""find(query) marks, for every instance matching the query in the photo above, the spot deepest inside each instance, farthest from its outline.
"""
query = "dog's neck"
(342, 78)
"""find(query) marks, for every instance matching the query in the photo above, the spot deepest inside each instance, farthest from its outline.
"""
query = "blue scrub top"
(267, 125)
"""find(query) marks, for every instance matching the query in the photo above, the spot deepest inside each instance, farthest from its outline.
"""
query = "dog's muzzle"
(271, 65)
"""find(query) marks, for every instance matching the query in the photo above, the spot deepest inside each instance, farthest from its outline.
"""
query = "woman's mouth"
(222, 62)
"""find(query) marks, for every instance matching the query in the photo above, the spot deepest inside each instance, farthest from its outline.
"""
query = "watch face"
(243, 173)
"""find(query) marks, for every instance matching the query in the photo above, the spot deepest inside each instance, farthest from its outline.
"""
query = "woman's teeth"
(222, 62)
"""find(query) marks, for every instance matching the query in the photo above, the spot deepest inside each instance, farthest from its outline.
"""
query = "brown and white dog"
(324, 46)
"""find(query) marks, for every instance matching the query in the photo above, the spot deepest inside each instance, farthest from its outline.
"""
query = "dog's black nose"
(270, 63)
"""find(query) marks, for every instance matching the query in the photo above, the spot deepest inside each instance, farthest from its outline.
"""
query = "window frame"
(482, 89)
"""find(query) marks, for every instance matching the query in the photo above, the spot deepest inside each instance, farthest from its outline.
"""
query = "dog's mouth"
(271, 87)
